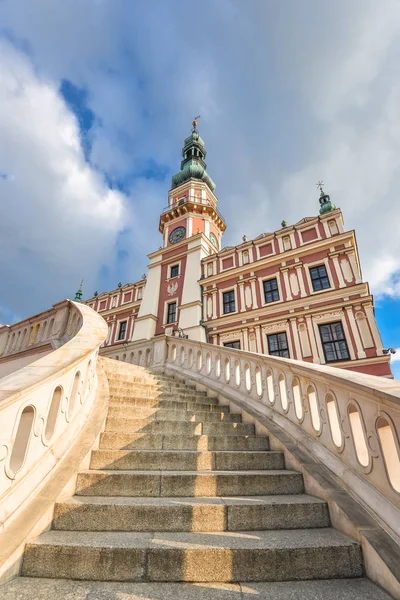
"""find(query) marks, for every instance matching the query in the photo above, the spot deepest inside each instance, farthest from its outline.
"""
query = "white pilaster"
(299, 270)
(287, 285)
(356, 335)
(338, 271)
(314, 349)
(354, 267)
(293, 323)
(374, 328)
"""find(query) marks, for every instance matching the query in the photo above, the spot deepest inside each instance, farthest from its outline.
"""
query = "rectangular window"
(122, 330)
(171, 314)
(278, 345)
(271, 292)
(174, 271)
(233, 345)
(229, 302)
(334, 342)
(319, 278)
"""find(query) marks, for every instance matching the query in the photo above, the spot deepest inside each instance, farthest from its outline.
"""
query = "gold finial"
(194, 123)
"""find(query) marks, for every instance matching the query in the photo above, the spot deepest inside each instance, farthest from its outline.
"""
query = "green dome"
(193, 165)
(326, 204)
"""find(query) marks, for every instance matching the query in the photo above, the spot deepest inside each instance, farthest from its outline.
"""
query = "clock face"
(214, 240)
(177, 235)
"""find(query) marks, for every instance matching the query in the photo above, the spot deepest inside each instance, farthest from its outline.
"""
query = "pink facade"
(296, 292)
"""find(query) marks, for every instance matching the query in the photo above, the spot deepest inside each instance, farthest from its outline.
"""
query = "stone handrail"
(347, 420)
(45, 402)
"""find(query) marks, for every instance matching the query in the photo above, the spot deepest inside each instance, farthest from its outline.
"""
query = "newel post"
(160, 352)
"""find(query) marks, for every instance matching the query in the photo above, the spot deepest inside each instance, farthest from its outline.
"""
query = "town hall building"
(296, 292)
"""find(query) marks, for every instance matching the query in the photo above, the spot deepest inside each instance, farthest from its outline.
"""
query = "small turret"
(79, 293)
(324, 200)
(193, 165)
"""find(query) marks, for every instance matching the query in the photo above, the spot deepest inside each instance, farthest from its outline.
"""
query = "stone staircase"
(183, 500)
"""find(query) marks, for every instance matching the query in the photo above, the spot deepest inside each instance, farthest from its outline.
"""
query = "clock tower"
(191, 227)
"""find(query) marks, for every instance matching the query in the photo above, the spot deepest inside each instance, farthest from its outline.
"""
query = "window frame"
(280, 349)
(169, 305)
(319, 278)
(122, 328)
(333, 342)
(172, 267)
(230, 345)
(276, 290)
(231, 302)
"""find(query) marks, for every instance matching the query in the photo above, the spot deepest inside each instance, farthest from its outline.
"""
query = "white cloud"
(395, 357)
(58, 218)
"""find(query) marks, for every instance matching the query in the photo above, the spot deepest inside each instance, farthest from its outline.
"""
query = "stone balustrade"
(347, 420)
(47, 390)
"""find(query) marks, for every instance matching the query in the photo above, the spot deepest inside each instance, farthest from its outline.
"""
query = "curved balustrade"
(44, 404)
(349, 420)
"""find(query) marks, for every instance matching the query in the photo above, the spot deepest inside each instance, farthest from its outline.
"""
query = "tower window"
(271, 292)
(334, 342)
(278, 345)
(171, 314)
(122, 330)
(235, 345)
(174, 271)
(229, 302)
(319, 278)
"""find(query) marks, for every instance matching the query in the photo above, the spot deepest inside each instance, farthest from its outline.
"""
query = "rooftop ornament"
(283, 224)
(79, 293)
(324, 200)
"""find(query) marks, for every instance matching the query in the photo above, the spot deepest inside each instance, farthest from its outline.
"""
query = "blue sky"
(96, 98)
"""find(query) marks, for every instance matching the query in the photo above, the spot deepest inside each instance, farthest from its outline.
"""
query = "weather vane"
(320, 184)
(194, 122)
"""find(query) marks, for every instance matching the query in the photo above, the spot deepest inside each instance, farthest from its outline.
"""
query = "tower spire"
(324, 200)
(79, 293)
(193, 165)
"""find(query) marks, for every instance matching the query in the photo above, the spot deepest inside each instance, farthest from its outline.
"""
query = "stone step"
(188, 483)
(146, 389)
(128, 398)
(166, 414)
(178, 427)
(24, 588)
(185, 460)
(145, 441)
(170, 404)
(86, 513)
(201, 557)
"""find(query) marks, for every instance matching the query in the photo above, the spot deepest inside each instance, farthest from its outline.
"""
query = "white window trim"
(221, 301)
(176, 263)
(308, 266)
(279, 328)
(166, 304)
(123, 297)
(332, 318)
(276, 276)
(118, 327)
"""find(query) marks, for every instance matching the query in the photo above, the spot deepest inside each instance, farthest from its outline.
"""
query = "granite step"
(188, 483)
(276, 555)
(87, 513)
(27, 588)
(160, 395)
(169, 404)
(178, 427)
(173, 414)
(185, 460)
(145, 441)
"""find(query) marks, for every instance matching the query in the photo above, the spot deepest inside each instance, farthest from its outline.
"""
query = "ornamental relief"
(275, 327)
(209, 307)
(346, 269)
(247, 296)
(294, 284)
(338, 314)
(229, 337)
(172, 288)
